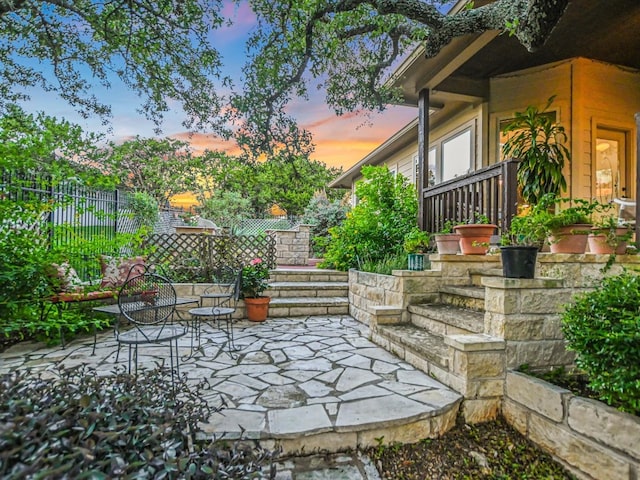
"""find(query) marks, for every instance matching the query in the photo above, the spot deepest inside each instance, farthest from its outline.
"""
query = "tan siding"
(608, 96)
(516, 91)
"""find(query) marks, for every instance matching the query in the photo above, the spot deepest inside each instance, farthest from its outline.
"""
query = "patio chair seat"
(151, 335)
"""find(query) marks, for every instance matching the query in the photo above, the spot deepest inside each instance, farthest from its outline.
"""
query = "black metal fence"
(86, 222)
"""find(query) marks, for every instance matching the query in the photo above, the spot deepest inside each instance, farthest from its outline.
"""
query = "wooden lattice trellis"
(197, 257)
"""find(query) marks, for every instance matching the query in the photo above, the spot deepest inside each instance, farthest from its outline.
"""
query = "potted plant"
(608, 236)
(520, 245)
(475, 236)
(447, 242)
(416, 243)
(255, 280)
(567, 228)
(538, 142)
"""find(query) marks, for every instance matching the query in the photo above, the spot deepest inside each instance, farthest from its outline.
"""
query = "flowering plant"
(255, 278)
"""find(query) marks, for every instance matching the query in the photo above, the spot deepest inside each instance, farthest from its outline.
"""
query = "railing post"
(510, 192)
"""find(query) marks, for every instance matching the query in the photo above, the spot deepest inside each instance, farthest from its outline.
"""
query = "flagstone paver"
(290, 378)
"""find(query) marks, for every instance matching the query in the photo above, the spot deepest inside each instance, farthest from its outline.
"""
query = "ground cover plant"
(78, 424)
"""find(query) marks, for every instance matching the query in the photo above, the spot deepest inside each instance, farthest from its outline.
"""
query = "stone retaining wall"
(369, 291)
(590, 438)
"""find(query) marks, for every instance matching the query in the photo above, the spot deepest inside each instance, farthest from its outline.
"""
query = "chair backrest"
(147, 299)
(627, 211)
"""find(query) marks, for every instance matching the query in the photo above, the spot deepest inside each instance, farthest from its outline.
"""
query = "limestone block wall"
(584, 270)
(592, 439)
(292, 246)
(525, 313)
(370, 291)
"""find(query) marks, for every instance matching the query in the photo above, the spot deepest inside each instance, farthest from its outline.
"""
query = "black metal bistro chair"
(148, 302)
(220, 312)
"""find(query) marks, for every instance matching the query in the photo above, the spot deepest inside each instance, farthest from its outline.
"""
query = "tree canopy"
(350, 46)
(162, 50)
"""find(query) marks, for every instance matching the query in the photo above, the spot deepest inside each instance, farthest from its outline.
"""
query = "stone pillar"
(477, 371)
(525, 313)
(292, 246)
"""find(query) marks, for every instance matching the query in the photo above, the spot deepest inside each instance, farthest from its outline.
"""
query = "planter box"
(590, 438)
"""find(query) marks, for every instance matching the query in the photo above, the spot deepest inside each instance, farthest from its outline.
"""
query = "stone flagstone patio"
(307, 384)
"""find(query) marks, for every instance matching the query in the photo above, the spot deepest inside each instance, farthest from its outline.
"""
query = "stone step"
(476, 275)
(443, 319)
(414, 344)
(308, 289)
(304, 306)
(307, 275)
(464, 296)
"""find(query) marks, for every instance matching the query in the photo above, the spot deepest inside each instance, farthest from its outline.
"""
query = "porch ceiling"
(595, 29)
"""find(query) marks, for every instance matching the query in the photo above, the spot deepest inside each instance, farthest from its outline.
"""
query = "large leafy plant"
(375, 228)
(538, 142)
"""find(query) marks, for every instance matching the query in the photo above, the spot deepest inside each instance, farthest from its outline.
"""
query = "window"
(453, 155)
(456, 155)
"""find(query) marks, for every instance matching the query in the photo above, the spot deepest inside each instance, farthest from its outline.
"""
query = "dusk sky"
(340, 141)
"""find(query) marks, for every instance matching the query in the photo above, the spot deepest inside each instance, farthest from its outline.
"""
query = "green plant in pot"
(538, 142)
(520, 245)
(416, 243)
(475, 235)
(608, 236)
(567, 228)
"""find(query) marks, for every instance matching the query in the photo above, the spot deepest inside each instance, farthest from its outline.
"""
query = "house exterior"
(590, 64)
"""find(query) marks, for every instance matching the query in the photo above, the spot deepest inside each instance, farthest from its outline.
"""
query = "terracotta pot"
(570, 239)
(448, 243)
(475, 238)
(257, 308)
(598, 243)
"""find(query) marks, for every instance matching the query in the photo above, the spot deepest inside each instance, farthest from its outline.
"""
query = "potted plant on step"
(608, 236)
(567, 228)
(447, 242)
(475, 236)
(537, 141)
(255, 280)
(416, 243)
(520, 245)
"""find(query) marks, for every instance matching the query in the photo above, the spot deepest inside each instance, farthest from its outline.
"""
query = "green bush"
(84, 425)
(323, 215)
(603, 328)
(376, 227)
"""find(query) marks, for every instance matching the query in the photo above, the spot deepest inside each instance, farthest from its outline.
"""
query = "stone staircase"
(457, 310)
(308, 291)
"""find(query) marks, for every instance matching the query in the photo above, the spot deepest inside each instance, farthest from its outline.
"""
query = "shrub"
(82, 425)
(603, 328)
(375, 228)
(323, 215)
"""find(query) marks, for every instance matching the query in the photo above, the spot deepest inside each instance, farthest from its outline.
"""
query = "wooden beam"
(423, 153)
